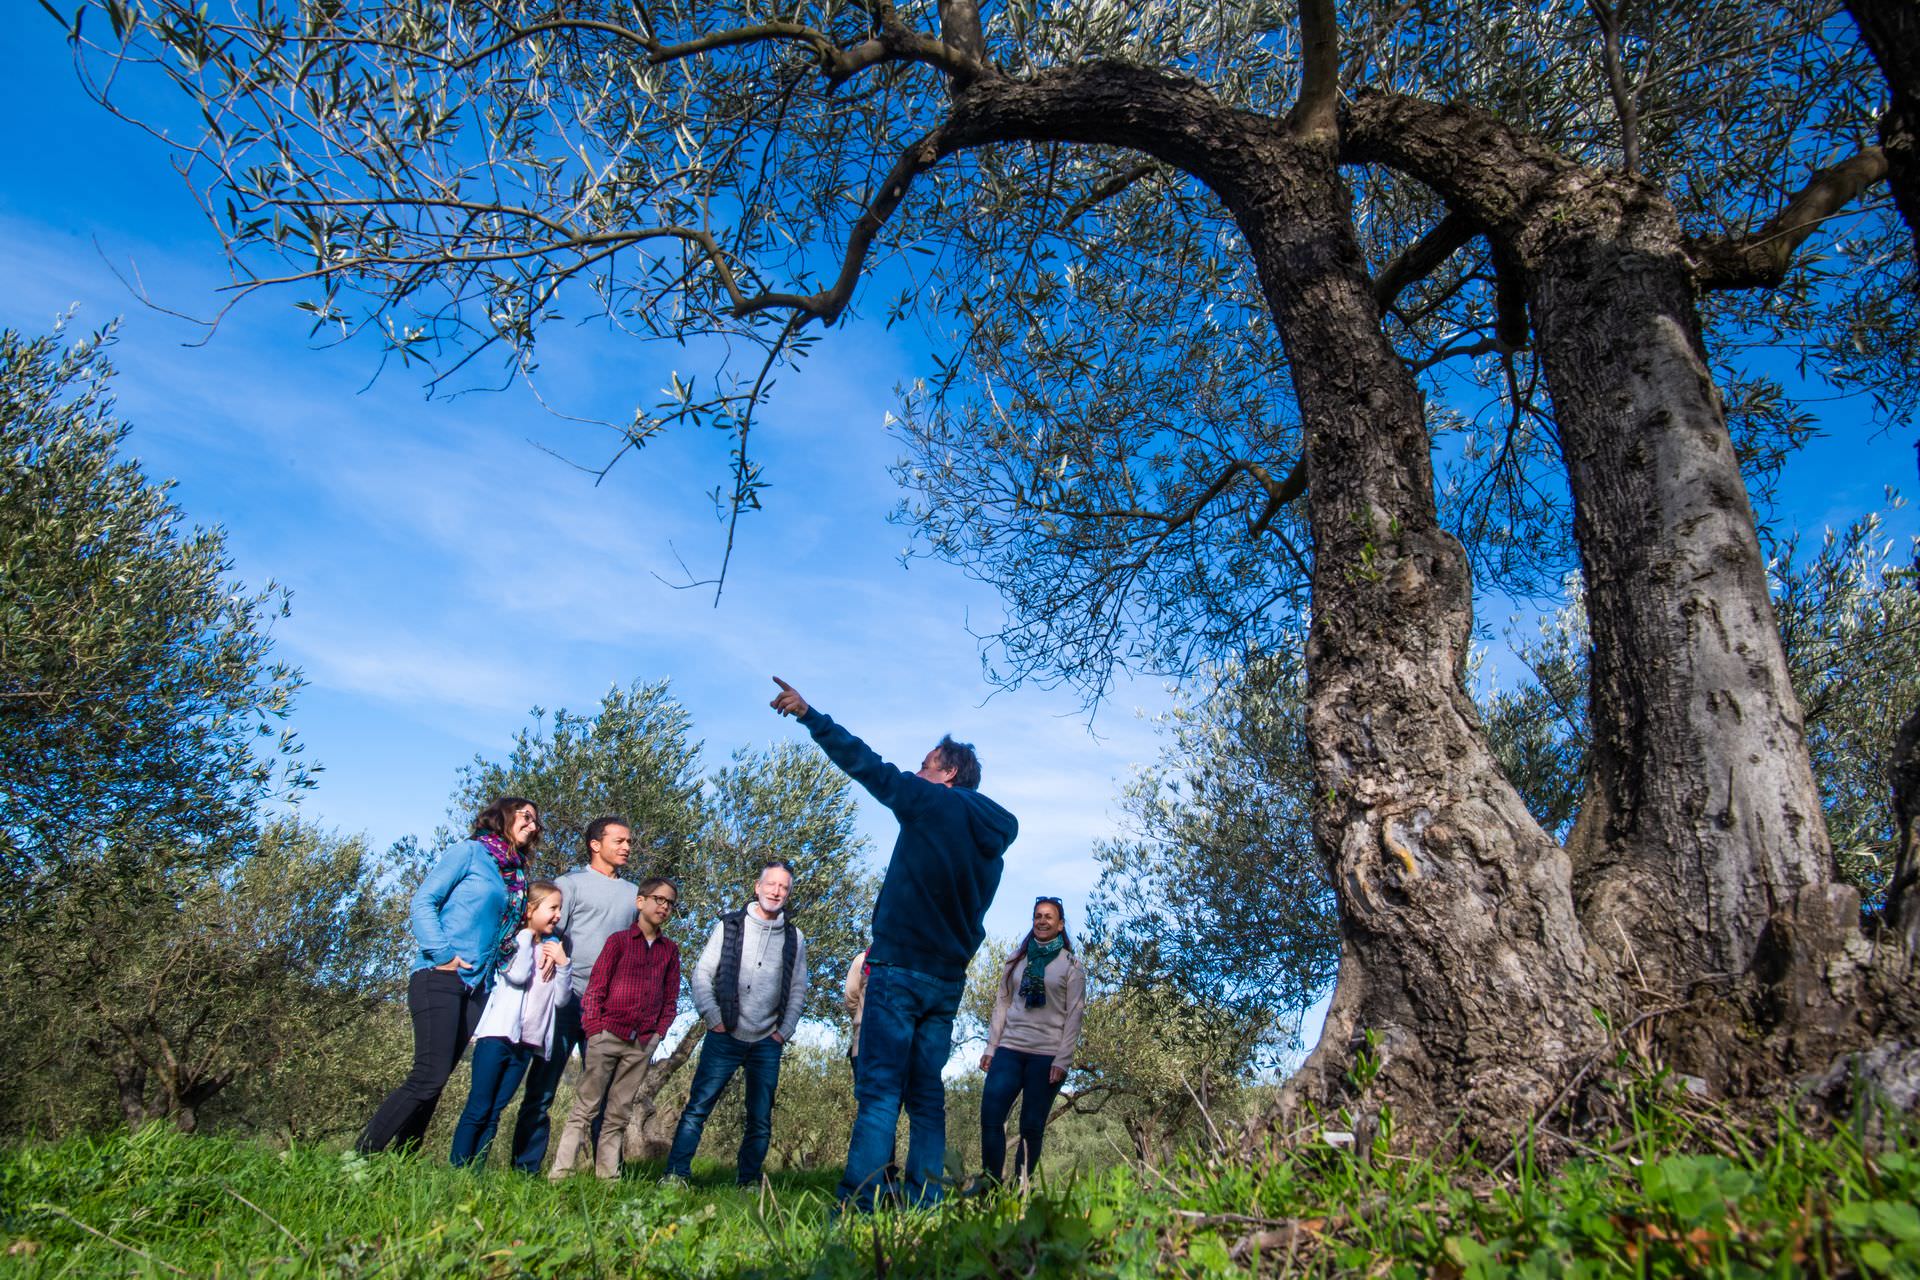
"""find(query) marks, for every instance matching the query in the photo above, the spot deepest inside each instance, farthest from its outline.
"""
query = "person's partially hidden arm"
(601, 982)
(796, 991)
(519, 970)
(856, 984)
(1075, 1011)
(669, 996)
(996, 1024)
(704, 970)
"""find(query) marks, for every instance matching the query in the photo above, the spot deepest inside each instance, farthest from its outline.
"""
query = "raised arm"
(893, 787)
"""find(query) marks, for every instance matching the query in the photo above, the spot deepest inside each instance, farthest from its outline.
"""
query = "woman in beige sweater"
(1031, 1039)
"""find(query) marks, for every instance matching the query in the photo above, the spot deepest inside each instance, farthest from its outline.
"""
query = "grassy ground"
(1666, 1196)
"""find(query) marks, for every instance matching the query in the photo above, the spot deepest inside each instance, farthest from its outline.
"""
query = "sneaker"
(671, 1179)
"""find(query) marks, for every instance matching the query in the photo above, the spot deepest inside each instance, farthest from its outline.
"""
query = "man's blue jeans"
(720, 1056)
(906, 1037)
(531, 1127)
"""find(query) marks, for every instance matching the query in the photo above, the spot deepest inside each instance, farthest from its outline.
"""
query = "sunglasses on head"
(1055, 901)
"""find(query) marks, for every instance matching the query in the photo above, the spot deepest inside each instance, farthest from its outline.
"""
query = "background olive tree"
(169, 951)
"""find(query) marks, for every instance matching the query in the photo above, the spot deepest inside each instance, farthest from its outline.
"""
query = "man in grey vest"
(749, 987)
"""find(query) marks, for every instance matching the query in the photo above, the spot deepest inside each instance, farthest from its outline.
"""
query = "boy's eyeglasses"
(663, 900)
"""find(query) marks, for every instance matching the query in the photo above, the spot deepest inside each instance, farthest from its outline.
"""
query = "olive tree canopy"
(1198, 273)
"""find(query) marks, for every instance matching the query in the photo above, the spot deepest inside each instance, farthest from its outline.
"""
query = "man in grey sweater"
(750, 985)
(595, 904)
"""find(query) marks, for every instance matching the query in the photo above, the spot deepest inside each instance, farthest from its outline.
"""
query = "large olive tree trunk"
(1462, 955)
(1703, 868)
(1709, 818)
(1703, 819)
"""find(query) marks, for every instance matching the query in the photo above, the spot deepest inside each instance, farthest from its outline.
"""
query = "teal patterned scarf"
(1033, 985)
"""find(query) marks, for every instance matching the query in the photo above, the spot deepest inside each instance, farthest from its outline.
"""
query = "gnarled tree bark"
(1705, 868)
(1460, 937)
(1710, 820)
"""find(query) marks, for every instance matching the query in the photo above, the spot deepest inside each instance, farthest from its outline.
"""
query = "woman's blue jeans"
(498, 1067)
(1027, 1076)
(906, 1037)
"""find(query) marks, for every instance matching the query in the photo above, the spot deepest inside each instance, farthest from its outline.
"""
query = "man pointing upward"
(927, 923)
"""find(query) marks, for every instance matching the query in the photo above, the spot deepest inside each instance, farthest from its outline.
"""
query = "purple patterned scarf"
(513, 869)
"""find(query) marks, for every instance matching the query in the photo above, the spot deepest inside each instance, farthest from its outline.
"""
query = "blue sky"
(448, 575)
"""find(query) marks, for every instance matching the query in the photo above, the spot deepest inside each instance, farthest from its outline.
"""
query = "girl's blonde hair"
(537, 892)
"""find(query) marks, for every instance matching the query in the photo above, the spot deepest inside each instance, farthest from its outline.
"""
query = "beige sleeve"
(1074, 1012)
(856, 986)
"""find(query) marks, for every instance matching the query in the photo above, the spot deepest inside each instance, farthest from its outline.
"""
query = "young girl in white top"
(517, 1025)
(1031, 1039)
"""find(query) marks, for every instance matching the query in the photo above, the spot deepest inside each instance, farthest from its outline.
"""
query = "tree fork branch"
(1422, 258)
(1102, 191)
(960, 31)
(1624, 108)
(1761, 259)
(1313, 118)
(827, 306)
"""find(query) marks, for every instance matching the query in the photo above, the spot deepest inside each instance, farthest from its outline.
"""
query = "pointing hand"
(788, 701)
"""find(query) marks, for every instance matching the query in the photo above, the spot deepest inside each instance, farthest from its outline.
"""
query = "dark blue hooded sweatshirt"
(945, 865)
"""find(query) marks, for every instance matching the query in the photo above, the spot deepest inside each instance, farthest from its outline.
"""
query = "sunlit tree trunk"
(1711, 821)
(1703, 821)
(1460, 942)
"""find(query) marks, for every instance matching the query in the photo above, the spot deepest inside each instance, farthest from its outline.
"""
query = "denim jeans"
(1011, 1074)
(498, 1067)
(444, 1011)
(533, 1125)
(720, 1056)
(906, 1037)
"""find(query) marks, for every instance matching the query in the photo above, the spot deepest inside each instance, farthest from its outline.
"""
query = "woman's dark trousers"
(1027, 1076)
(445, 1011)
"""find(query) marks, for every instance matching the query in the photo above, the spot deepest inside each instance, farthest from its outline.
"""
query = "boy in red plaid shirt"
(624, 1012)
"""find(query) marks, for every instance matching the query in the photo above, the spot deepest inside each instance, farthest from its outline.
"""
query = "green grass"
(1667, 1196)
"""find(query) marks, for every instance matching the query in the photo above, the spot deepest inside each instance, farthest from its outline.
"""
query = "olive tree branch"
(1422, 258)
(1761, 258)
(1313, 117)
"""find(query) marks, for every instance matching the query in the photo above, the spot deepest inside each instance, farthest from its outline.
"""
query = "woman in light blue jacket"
(464, 916)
